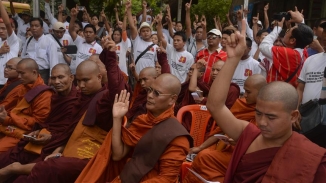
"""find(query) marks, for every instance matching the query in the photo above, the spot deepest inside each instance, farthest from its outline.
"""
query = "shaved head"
(257, 81)
(88, 66)
(15, 60)
(149, 71)
(10, 68)
(279, 91)
(65, 67)
(29, 64)
(170, 82)
(147, 76)
(89, 78)
(252, 86)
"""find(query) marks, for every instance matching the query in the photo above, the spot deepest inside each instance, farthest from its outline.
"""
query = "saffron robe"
(9, 93)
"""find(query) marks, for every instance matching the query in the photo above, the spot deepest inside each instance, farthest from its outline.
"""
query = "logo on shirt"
(118, 47)
(92, 51)
(151, 49)
(65, 42)
(183, 59)
(248, 72)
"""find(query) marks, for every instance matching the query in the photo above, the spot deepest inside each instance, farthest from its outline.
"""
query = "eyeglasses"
(212, 37)
(8, 67)
(155, 92)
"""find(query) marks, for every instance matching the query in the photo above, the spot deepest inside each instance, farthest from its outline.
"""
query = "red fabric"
(210, 58)
(241, 110)
(285, 63)
(163, 61)
(138, 107)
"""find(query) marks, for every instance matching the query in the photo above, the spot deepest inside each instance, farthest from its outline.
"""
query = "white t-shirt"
(84, 51)
(312, 74)
(22, 27)
(148, 59)
(121, 51)
(13, 42)
(148, 19)
(65, 41)
(245, 68)
(179, 62)
(84, 24)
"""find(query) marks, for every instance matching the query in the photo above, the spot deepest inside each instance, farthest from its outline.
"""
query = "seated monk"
(146, 78)
(210, 163)
(196, 84)
(34, 101)
(152, 160)
(270, 151)
(86, 134)
(62, 104)
(9, 92)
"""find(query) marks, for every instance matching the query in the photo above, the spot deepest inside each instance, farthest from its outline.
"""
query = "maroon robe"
(298, 160)
(67, 169)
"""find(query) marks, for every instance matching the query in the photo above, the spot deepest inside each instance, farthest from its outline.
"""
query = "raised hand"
(73, 12)
(188, 5)
(128, 4)
(255, 19)
(144, 4)
(203, 21)
(121, 104)
(236, 42)
(103, 15)
(266, 7)
(60, 8)
(5, 48)
(158, 18)
(296, 16)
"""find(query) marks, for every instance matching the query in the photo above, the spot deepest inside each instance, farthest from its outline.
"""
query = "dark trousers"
(45, 75)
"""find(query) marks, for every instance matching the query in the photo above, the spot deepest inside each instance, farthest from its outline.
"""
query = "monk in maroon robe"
(270, 152)
(97, 120)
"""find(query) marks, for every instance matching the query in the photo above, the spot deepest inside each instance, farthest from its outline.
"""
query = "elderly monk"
(211, 163)
(196, 84)
(87, 132)
(146, 77)
(34, 101)
(62, 104)
(270, 151)
(9, 93)
(161, 160)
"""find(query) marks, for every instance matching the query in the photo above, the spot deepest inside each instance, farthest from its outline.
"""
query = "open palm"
(121, 104)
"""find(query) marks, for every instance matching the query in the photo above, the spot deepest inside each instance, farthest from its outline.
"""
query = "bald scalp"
(279, 91)
(170, 82)
(150, 71)
(88, 66)
(65, 67)
(29, 64)
(15, 60)
(257, 81)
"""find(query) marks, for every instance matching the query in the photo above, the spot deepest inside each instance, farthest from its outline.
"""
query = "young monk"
(33, 106)
(88, 132)
(271, 149)
(62, 103)
(161, 160)
(9, 92)
(211, 163)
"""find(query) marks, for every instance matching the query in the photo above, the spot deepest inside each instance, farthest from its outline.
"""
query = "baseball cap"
(58, 26)
(143, 25)
(323, 25)
(216, 32)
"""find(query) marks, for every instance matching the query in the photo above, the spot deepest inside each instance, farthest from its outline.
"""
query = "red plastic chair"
(199, 121)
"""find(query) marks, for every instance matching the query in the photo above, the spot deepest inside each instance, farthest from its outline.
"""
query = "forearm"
(170, 26)
(266, 20)
(144, 15)
(255, 30)
(210, 141)
(163, 61)
(193, 81)
(60, 19)
(117, 16)
(12, 9)
(230, 22)
(267, 44)
(133, 29)
(118, 147)
(67, 58)
(256, 56)
(58, 150)
(188, 24)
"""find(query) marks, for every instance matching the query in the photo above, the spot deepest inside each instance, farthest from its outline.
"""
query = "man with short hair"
(9, 93)
(212, 53)
(85, 47)
(285, 62)
(40, 48)
(247, 67)
(179, 59)
(8, 41)
(33, 105)
(59, 36)
(141, 43)
(271, 149)
(169, 155)
(318, 31)
(23, 20)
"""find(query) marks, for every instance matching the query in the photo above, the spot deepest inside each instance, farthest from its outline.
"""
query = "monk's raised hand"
(121, 104)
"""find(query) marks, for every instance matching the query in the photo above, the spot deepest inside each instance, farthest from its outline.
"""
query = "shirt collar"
(93, 43)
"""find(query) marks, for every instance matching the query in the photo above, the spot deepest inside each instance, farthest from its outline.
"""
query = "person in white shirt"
(52, 19)
(40, 48)
(23, 21)
(179, 59)
(312, 73)
(85, 46)
(8, 41)
(64, 39)
(85, 18)
(141, 42)
(247, 66)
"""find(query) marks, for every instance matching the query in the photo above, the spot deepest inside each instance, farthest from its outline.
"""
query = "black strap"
(57, 40)
(100, 32)
(29, 40)
(142, 53)
(295, 72)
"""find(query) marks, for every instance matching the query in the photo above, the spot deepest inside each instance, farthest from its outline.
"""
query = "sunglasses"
(155, 92)
(212, 37)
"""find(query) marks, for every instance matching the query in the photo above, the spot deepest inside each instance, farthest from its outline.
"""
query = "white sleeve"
(52, 55)
(303, 72)
(13, 43)
(129, 43)
(18, 19)
(49, 14)
(169, 48)
(79, 40)
(249, 32)
(267, 44)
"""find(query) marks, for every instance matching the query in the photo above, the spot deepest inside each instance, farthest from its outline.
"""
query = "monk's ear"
(99, 76)
(173, 99)
(72, 77)
(295, 116)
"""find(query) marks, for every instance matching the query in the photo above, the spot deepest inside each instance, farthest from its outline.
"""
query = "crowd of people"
(95, 101)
